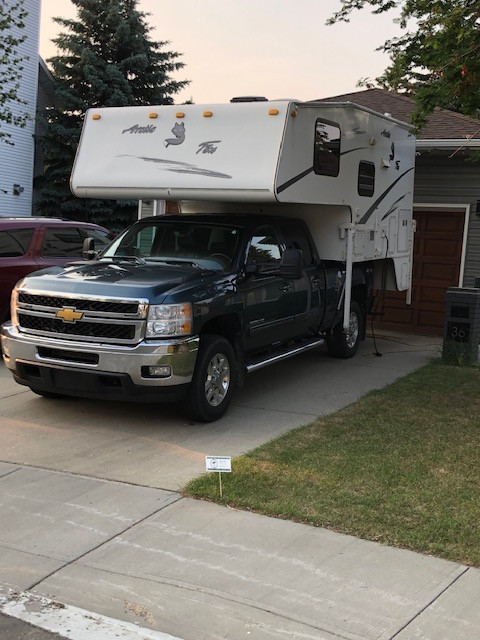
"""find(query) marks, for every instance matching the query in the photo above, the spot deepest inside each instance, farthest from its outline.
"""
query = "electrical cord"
(381, 299)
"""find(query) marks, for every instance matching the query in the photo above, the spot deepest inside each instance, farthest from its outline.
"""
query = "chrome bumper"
(179, 354)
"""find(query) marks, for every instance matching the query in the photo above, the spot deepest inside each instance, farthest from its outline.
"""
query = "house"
(446, 209)
(16, 161)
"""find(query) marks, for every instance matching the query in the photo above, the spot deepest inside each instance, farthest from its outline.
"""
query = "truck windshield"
(195, 244)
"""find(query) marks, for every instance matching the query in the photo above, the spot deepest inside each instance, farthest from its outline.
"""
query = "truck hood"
(119, 279)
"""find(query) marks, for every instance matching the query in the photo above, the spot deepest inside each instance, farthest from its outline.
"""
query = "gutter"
(449, 144)
(354, 105)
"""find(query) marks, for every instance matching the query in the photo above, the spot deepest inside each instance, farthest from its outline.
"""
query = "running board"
(283, 354)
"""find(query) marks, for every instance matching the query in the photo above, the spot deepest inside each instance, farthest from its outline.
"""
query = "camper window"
(366, 178)
(326, 160)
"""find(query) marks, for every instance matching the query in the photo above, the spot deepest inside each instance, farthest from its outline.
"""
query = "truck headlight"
(169, 320)
(13, 304)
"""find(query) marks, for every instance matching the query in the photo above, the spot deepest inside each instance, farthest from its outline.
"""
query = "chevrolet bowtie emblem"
(68, 314)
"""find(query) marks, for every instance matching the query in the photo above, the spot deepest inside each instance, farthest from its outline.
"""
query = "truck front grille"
(81, 304)
(90, 329)
(85, 318)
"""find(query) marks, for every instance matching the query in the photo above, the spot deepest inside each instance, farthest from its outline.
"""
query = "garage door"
(436, 266)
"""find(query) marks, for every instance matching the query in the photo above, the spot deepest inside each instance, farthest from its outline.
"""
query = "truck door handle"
(285, 288)
(315, 282)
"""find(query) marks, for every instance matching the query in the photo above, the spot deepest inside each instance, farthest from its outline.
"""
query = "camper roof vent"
(249, 99)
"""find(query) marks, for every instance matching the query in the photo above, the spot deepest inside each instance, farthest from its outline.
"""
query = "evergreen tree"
(106, 59)
(436, 60)
(12, 16)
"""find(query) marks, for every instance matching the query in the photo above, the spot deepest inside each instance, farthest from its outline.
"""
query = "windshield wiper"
(126, 259)
(190, 263)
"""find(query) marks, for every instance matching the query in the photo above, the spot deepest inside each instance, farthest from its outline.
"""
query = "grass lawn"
(401, 466)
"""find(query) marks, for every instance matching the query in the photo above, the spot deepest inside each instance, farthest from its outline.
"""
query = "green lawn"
(401, 466)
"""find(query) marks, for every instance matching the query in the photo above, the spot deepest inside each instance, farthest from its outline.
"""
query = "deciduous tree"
(437, 58)
(12, 16)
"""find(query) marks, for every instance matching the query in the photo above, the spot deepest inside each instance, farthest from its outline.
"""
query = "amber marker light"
(273, 112)
(207, 114)
(96, 116)
(179, 114)
(153, 115)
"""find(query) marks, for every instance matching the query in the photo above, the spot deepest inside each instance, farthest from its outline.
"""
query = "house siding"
(440, 179)
(16, 162)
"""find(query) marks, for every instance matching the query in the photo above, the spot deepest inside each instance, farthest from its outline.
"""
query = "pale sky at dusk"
(272, 48)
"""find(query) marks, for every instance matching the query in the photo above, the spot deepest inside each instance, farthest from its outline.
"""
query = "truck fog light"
(164, 371)
(6, 352)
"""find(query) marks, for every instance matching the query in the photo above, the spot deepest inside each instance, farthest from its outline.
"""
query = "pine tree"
(106, 59)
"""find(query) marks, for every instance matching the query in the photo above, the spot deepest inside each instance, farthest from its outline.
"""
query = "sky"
(272, 48)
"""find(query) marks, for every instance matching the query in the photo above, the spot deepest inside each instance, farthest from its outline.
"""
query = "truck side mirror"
(251, 268)
(88, 249)
(292, 264)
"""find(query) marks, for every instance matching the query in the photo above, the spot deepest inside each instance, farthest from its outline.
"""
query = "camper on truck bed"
(291, 213)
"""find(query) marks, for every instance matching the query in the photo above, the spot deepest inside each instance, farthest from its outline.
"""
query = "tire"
(345, 345)
(214, 379)
(47, 394)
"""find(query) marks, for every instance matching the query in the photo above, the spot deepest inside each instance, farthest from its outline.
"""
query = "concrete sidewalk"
(198, 571)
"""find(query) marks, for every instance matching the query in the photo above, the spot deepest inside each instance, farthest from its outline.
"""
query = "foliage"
(436, 60)
(106, 58)
(12, 16)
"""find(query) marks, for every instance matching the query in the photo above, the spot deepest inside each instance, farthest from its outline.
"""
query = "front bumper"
(98, 370)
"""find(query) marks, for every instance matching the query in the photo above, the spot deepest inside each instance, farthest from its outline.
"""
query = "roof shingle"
(442, 124)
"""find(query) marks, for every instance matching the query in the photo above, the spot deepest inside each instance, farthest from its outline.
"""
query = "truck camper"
(290, 214)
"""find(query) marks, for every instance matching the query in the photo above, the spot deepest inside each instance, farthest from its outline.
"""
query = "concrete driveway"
(91, 554)
(154, 446)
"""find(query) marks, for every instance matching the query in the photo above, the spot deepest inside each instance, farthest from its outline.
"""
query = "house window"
(366, 178)
(326, 160)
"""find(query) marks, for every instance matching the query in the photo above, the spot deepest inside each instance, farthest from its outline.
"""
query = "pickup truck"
(180, 307)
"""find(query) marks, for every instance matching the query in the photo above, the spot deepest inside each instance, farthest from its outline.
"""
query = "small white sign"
(219, 463)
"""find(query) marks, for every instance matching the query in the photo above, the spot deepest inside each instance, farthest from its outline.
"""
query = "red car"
(28, 244)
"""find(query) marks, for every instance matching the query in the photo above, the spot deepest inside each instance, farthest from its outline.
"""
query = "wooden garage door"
(436, 266)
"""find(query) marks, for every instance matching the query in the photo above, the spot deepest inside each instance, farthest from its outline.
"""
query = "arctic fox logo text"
(178, 131)
(149, 128)
(208, 146)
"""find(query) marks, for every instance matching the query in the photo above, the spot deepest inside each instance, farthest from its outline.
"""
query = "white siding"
(16, 162)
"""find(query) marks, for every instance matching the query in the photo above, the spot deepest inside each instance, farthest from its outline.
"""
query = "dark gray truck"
(180, 307)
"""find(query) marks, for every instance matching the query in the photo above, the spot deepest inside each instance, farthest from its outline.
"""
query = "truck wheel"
(213, 381)
(345, 345)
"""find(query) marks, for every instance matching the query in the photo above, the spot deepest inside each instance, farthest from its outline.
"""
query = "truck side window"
(101, 238)
(366, 178)
(326, 156)
(264, 247)
(296, 238)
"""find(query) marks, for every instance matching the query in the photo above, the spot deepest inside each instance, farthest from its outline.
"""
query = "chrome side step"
(283, 354)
